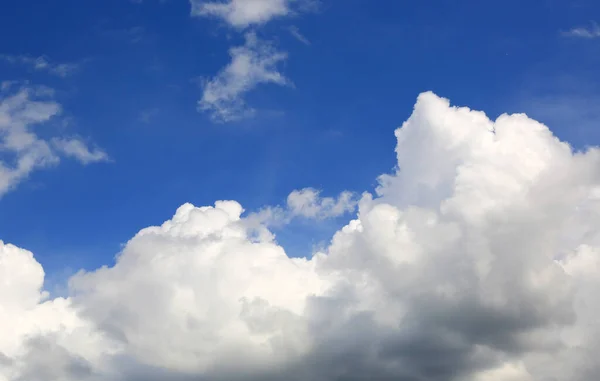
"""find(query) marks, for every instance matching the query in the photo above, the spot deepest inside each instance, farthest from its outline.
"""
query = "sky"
(315, 125)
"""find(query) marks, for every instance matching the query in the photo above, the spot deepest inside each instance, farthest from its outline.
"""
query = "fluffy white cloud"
(477, 260)
(42, 63)
(304, 203)
(308, 203)
(243, 13)
(592, 31)
(252, 64)
(22, 150)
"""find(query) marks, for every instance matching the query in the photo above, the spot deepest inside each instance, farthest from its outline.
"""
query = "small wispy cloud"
(135, 34)
(590, 32)
(147, 115)
(25, 151)
(252, 64)
(75, 148)
(41, 63)
(295, 32)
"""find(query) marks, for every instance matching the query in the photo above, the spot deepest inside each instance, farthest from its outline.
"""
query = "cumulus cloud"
(590, 32)
(244, 13)
(477, 260)
(308, 203)
(304, 203)
(42, 63)
(21, 150)
(252, 64)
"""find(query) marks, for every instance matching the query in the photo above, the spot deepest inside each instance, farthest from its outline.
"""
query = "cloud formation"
(589, 32)
(244, 13)
(42, 63)
(295, 32)
(308, 203)
(304, 203)
(252, 64)
(21, 150)
(477, 260)
(77, 149)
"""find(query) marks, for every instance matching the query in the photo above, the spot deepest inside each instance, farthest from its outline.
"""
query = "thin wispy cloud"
(295, 32)
(252, 64)
(25, 151)
(42, 63)
(147, 115)
(75, 148)
(589, 32)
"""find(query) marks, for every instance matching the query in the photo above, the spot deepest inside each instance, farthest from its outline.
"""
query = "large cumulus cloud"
(477, 260)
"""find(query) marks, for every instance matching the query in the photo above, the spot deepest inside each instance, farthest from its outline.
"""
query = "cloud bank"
(22, 151)
(477, 260)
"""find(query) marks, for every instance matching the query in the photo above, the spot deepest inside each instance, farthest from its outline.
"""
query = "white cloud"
(252, 64)
(75, 148)
(295, 32)
(592, 31)
(477, 260)
(243, 13)
(42, 63)
(308, 203)
(23, 151)
(304, 203)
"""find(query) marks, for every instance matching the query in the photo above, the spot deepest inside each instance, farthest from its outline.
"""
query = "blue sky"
(129, 77)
